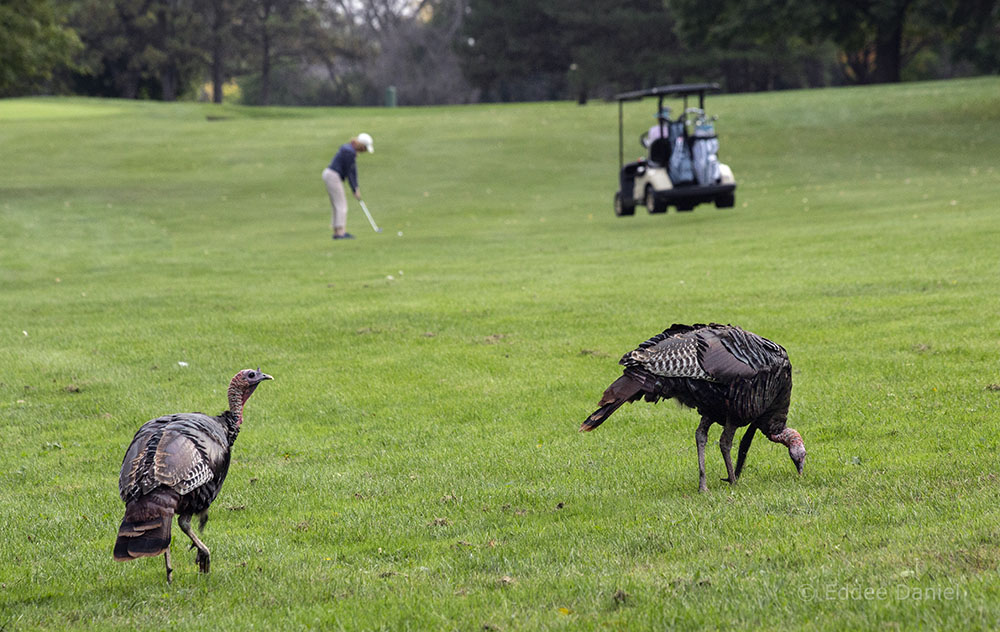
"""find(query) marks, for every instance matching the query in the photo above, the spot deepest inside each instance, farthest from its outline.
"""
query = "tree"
(757, 44)
(136, 48)
(632, 45)
(173, 54)
(512, 50)
(876, 38)
(220, 15)
(553, 48)
(404, 44)
(33, 44)
(291, 36)
(977, 33)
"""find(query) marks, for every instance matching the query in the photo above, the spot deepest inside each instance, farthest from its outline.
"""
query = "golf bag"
(679, 168)
(704, 150)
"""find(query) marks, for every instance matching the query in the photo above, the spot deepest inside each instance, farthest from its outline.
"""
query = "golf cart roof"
(680, 89)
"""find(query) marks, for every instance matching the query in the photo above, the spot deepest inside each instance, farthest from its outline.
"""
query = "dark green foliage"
(34, 43)
(555, 48)
(137, 48)
(512, 50)
(457, 51)
(875, 39)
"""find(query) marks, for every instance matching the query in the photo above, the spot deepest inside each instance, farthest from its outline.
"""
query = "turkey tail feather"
(624, 389)
(145, 529)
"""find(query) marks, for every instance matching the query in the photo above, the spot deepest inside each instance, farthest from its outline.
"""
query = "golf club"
(364, 207)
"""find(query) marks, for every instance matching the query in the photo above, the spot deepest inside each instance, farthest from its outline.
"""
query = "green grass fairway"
(416, 463)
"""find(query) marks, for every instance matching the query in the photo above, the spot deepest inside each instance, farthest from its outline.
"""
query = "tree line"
(337, 52)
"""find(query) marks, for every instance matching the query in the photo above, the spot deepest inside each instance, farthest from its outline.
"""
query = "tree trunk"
(888, 52)
(265, 53)
(265, 71)
(218, 77)
(218, 52)
(889, 42)
(130, 85)
(168, 83)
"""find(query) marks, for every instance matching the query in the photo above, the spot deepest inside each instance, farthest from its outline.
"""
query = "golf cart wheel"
(622, 209)
(726, 201)
(652, 205)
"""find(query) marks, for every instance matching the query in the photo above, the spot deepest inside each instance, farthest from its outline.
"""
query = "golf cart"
(681, 167)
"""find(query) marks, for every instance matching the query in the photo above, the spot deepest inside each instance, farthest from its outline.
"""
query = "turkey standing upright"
(732, 377)
(176, 465)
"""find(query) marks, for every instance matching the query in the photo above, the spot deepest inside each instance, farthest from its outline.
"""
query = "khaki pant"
(335, 188)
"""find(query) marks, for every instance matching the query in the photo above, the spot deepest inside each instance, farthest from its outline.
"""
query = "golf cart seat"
(659, 152)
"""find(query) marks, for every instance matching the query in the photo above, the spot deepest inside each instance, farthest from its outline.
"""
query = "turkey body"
(176, 465)
(731, 376)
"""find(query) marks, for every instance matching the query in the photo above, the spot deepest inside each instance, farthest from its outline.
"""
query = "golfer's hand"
(357, 195)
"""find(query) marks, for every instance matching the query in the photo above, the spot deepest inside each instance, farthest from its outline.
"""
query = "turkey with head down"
(731, 376)
(176, 465)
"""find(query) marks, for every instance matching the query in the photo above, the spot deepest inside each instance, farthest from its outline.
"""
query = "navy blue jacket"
(344, 164)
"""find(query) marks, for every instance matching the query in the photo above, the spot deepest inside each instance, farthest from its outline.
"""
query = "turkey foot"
(204, 560)
(203, 557)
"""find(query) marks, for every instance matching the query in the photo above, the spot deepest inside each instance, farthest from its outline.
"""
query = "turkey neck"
(238, 396)
(231, 422)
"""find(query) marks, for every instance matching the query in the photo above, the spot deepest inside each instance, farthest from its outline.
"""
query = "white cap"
(366, 140)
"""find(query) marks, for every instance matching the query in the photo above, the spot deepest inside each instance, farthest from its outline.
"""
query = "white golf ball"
(399, 234)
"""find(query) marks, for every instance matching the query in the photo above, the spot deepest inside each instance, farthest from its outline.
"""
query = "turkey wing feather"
(178, 451)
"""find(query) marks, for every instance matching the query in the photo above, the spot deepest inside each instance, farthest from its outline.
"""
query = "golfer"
(343, 167)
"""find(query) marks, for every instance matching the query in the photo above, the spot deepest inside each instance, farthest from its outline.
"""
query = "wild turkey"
(176, 465)
(732, 377)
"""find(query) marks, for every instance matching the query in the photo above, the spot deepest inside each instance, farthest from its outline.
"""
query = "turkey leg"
(744, 448)
(203, 558)
(701, 438)
(170, 569)
(726, 445)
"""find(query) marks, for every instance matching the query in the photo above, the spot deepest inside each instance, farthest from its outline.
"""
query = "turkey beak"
(262, 376)
(798, 454)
